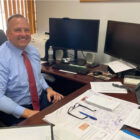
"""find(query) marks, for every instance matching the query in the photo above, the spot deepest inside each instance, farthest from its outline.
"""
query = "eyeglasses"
(76, 106)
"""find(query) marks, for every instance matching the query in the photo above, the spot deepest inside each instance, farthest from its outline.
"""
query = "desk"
(37, 119)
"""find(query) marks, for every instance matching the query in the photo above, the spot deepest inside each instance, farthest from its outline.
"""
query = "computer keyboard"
(71, 68)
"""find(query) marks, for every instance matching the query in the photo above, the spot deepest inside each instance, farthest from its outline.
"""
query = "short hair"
(15, 16)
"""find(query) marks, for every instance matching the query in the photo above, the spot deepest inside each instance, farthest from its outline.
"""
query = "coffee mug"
(58, 55)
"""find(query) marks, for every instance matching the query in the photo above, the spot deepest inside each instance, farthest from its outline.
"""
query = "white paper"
(107, 87)
(79, 131)
(103, 102)
(119, 66)
(133, 119)
(26, 133)
(123, 136)
(107, 121)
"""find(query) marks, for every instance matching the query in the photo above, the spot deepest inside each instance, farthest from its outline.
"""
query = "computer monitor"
(123, 41)
(75, 34)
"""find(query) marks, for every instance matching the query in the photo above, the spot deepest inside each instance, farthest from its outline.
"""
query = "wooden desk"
(37, 119)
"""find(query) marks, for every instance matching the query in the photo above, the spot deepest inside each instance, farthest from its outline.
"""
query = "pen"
(89, 116)
(122, 86)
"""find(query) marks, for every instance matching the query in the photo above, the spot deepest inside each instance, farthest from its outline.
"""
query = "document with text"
(68, 118)
(119, 66)
(133, 119)
(123, 136)
(107, 87)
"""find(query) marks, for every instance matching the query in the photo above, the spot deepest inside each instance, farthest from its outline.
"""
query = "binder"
(39, 132)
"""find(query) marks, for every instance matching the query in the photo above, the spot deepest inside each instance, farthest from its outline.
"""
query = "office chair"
(3, 37)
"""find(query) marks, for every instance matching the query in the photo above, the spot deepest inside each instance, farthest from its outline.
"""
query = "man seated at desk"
(23, 91)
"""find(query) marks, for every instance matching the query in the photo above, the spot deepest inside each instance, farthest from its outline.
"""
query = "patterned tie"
(32, 83)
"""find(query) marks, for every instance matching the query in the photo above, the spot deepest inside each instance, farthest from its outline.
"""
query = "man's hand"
(56, 96)
(28, 113)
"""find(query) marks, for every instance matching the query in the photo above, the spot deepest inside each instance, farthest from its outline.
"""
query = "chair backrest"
(3, 37)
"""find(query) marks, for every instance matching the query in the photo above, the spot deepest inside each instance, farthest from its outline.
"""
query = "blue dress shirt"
(14, 84)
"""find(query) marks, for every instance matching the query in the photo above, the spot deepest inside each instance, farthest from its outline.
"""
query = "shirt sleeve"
(7, 105)
(10, 107)
(44, 83)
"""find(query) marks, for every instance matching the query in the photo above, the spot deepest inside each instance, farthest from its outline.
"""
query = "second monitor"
(123, 41)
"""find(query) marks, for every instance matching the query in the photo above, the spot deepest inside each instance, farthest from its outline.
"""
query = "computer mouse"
(96, 73)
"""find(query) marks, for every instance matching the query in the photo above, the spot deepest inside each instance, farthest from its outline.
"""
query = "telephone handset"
(137, 91)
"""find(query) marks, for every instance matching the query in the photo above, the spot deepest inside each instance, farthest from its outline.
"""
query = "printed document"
(103, 102)
(119, 66)
(123, 136)
(107, 87)
(79, 131)
(107, 123)
(133, 119)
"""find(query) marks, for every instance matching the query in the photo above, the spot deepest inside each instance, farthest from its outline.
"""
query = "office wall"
(121, 11)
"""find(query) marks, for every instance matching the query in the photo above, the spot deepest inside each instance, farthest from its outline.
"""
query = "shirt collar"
(17, 50)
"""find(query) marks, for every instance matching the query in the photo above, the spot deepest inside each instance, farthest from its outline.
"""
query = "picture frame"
(109, 0)
(95, 0)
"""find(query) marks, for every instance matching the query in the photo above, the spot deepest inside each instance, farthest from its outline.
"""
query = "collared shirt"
(14, 84)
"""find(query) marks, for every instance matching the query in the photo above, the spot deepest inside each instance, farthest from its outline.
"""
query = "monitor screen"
(76, 34)
(123, 41)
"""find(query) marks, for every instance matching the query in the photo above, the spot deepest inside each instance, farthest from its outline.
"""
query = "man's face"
(18, 32)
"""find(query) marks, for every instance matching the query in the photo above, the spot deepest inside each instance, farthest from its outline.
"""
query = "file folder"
(40, 132)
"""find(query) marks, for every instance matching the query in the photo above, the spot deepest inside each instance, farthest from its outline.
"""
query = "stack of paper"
(107, 87)
(43, 132)
(133, 119)
(102, 102)
(119, 66)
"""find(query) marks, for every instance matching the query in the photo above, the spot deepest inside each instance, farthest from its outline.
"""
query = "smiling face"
(18, 32)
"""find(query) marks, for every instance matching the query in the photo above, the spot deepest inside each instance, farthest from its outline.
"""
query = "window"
(24, 7)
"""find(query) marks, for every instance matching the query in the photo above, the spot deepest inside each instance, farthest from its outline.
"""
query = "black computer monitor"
(123, 41)
(75, 34)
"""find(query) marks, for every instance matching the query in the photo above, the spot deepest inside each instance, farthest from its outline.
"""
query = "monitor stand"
(78, 61)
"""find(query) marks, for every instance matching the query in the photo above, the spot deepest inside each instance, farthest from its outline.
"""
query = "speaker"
(90, 58)
(59, 55)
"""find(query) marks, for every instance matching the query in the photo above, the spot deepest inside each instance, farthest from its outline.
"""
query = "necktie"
(32, 83)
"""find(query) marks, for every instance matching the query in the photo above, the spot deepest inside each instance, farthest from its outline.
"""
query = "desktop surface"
(37, 119)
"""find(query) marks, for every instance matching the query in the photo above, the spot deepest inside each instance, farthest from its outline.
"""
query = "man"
(16, 101)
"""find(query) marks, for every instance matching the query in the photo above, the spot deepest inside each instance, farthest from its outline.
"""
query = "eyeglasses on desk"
(76, 106)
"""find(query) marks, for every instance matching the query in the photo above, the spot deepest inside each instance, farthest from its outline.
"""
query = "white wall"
(121, 11)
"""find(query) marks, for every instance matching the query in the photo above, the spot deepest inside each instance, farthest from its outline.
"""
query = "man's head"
(18, 31)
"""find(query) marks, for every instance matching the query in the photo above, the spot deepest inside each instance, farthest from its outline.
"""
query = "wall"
(121, 11)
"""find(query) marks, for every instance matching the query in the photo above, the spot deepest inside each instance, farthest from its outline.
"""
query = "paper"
(123, 136)
(79, 131)
(107, 121)
(119, 66)
(26, 133)
(133, 119)
(103, 102)
(107, 87)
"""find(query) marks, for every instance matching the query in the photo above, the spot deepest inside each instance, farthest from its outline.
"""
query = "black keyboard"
(71, 68)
